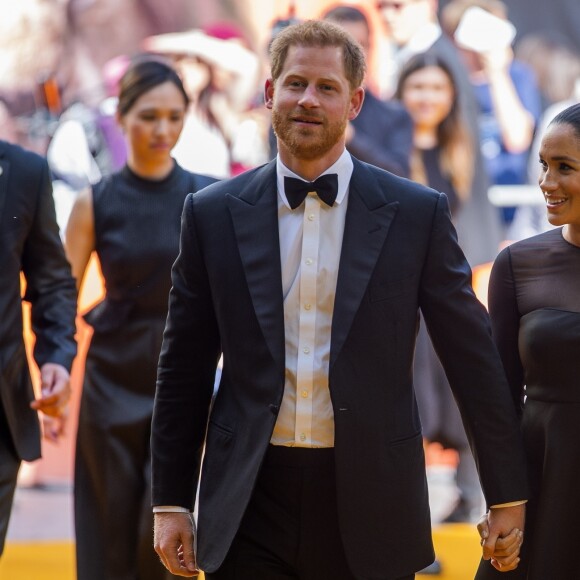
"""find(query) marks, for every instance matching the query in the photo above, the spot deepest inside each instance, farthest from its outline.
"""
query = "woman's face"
(154, 123)
(428, 96)
(560, 174)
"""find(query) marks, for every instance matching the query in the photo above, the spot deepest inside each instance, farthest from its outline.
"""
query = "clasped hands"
(502, 536)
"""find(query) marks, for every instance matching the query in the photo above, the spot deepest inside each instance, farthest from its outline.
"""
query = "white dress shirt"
(310, 246)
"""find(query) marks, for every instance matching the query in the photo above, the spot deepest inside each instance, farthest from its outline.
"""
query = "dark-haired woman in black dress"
(534, 301)
(132, 221)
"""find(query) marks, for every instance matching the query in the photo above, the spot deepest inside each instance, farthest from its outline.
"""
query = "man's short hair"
(318, 33)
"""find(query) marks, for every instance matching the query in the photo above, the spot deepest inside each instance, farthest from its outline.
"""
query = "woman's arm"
(515, 121)
(80, 235)
(505, 323)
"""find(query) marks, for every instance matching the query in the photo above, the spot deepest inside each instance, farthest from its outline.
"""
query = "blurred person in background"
(32, 39)
(412, 27)
(132, 221)
(382, 134)
(220, 76)
(30, 245)
(534, 305)
(506, 90)
(87, 143)
(443, 158)
(556, 65)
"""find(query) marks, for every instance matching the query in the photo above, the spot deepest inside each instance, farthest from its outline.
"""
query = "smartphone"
(482, 31)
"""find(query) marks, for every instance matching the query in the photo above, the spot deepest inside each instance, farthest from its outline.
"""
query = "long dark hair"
(453, 137)
(142, 75)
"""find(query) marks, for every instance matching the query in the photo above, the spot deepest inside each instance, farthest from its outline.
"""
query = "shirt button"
(304, 394)
(310, 217)
(306, 350)
(302, 437)
(309, 261)
(307, 306)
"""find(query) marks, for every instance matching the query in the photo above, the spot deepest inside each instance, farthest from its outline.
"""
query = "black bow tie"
(326, 187)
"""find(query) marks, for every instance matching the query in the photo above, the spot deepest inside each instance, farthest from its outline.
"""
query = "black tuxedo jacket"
(399, 254)
(30, 243)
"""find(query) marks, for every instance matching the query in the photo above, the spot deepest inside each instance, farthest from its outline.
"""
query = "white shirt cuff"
(159, 509)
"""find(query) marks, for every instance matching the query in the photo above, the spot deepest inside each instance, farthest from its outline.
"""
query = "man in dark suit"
(382, 133)
(30, 243)
(308, 274)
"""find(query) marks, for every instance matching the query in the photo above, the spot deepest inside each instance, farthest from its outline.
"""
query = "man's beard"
(300, 142)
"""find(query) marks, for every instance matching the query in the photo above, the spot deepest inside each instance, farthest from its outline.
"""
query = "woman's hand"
(505, 555)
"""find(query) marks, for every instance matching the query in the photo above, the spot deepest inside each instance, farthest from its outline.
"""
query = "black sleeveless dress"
(535, 309)
(137, 226)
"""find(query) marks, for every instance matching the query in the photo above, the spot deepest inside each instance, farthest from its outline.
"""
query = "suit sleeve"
(186, 373)
(460, 330)
(50, 287)
(505, 323)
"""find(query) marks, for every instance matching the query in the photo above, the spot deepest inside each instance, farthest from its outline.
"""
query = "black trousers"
(9, 465)
(290, 530)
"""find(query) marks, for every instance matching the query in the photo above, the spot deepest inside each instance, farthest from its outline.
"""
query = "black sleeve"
(505, 322)
(50, 287)
(186, 372)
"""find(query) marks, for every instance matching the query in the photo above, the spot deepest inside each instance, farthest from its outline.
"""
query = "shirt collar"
(343, 167)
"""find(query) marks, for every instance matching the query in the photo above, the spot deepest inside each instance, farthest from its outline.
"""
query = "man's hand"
(174, 541)
(502, 536)
(54, 389)
(53, 428)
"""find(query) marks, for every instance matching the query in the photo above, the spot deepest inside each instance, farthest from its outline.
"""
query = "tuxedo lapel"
(368, 218)
(255, 219)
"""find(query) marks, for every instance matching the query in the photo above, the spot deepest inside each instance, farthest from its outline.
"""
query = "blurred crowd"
(59, 89)
(452, 101)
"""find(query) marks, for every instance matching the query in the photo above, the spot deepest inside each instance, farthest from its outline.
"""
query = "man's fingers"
(54, 427)
(188, 558)
(55, 390)
(488, 546)
(483, 528)
(52, 405)
(171, 560)
(174, 543)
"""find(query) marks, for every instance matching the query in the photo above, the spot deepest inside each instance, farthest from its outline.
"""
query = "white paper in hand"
(481, 31)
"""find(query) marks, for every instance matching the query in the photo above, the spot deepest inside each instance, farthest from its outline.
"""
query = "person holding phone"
(506, 90)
